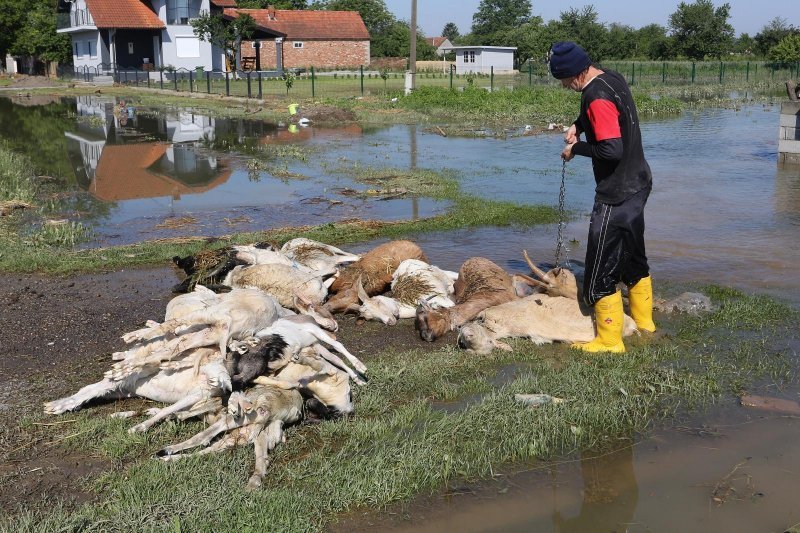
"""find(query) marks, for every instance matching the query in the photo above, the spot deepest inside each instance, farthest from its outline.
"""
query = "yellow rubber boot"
(608, 317)
(641, 300)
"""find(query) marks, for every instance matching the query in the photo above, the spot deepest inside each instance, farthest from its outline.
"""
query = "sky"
(747, 16)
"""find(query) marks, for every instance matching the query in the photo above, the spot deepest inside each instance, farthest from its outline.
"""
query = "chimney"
(271, 11)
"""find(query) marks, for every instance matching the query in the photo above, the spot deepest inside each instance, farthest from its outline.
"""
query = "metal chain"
(562, 220)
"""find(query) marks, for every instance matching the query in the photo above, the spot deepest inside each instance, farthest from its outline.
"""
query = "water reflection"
(114, 161)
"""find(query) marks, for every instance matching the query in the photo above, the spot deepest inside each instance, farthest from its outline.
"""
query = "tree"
(394, 42)
(223, 33)
(744, 45)
(498, 15)
(787, 50)
(772, 34)
(699, 30)
(582, 27)
(652, 42)
(377, 18)
(450, 31)
(621, 42)
(11, 17)
(37, 37)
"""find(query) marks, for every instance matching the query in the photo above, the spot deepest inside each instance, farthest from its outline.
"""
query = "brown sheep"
(480, 284)
(373, 271)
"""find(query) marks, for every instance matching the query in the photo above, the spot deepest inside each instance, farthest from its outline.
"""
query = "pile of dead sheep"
(249, 345)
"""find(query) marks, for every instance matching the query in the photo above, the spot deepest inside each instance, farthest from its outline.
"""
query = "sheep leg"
(101, 389)
(328, 339)
(266, 441)
(188, 401)
(225, 423)
(227, 442)
(337, 362)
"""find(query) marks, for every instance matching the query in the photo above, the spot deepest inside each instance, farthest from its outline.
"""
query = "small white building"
(481, 59)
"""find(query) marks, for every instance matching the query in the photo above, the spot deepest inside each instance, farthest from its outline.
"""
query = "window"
(187, 46)
(92, 46)
(298, 44)
(130, 48)
(77, 49)
(469, 56)
(179, 12)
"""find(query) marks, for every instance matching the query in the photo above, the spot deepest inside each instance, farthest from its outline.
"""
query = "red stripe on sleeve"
(604, 117)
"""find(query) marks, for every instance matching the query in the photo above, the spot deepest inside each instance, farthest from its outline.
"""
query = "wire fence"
(364, 82)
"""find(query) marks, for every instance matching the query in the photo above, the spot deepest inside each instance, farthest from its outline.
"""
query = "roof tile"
(302, 24)
(125, 14)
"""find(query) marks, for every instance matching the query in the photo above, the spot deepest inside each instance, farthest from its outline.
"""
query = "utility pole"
(412, 45)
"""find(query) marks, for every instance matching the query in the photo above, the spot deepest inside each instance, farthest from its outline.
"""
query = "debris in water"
(773, 405)
(537, 400)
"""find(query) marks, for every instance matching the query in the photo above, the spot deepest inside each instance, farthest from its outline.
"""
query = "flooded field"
(722, 211)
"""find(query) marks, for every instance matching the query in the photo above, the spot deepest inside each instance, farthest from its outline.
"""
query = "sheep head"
(432, 323)
(319, 313)
(377, 307)
(474, 337)
(556, 282)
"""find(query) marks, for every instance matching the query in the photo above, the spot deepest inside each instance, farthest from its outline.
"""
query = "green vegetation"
(427, 420)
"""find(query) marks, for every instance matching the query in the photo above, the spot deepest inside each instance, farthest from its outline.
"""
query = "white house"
(481, 59)
(142, 34)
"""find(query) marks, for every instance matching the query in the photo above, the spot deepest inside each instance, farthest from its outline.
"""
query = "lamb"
(316, 255)
(374, 270)
(258, 416)
(284, 282)
(413, 281)
(480, 284)
(539, 317)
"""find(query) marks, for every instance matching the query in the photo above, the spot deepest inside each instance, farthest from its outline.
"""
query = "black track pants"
(615, 251)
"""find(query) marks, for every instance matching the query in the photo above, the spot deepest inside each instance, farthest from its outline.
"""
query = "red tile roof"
(224, 3)
(301, 24)
(436, 41)
(125, 14)
(123, 174)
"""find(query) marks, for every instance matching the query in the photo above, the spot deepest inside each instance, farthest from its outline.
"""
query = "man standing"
(615, 250)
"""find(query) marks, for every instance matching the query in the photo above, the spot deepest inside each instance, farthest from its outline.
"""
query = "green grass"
(401, 445)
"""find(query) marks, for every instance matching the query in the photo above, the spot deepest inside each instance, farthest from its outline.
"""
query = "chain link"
(562, 219)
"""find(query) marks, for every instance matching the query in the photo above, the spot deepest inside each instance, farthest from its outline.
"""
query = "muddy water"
(722, 210)
(732, 471)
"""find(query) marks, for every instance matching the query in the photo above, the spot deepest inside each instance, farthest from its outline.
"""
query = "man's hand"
(571, 135)
(566, 153)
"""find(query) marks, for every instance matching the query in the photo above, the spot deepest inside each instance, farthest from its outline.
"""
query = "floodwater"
(722, 211)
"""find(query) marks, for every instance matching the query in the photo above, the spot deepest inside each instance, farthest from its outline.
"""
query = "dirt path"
(57, 335)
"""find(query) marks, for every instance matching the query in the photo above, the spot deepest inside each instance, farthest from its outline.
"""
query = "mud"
(57, 335)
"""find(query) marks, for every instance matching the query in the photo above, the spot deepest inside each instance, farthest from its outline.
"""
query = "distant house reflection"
(119, 155)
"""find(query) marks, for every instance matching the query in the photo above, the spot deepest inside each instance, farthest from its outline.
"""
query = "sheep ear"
(299, 300)
(362, 294)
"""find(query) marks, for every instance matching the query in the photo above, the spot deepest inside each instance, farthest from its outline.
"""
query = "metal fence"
(363, 82)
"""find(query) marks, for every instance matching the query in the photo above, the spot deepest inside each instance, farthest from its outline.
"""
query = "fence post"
(693, 71)
(747, 72)
(148, 79)
(126, 75)
(227, 83)
(260, 91)
(451, 76)
(136, 73)
(161, 78)
(362, 79)
(664, 72)
(249, 91)
(720, 71)
(208, 82)
(191, 82)
(175, 79)
(530, 73)
(313, 79)
(633, 73)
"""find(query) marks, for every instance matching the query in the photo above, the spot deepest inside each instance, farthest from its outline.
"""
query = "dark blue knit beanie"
(567, 59)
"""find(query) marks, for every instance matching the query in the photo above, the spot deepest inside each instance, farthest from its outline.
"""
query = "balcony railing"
(74, 19)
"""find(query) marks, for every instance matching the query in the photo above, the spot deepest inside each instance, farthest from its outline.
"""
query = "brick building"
(301, 39)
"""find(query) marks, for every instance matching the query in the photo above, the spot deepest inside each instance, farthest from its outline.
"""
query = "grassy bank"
(427, 420)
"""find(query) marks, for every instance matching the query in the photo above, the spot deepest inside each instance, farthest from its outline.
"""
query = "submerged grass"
(400, 445)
